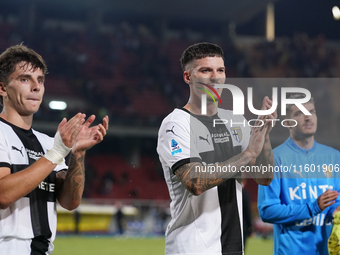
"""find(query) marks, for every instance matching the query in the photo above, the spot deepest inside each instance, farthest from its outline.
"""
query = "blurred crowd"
(133, 73)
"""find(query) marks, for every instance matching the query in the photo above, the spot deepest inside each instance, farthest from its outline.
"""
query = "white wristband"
(59, 150)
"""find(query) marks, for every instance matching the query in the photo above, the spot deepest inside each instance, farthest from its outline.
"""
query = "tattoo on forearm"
(76, 176)
(197, 179)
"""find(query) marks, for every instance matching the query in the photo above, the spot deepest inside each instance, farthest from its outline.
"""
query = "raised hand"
(257, 137)
(90, 136)
(269, 119)
(69, 130)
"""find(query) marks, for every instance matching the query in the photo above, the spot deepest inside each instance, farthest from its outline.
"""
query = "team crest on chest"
(327, 171)
(237, 133)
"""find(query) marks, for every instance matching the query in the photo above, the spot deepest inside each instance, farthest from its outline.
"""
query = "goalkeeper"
(301, 203)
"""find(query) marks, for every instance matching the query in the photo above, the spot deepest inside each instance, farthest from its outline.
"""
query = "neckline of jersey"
(201, 117)
(25, 131)
(292, 144)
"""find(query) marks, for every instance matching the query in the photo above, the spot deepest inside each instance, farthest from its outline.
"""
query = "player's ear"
(187, 77)
(3, 91)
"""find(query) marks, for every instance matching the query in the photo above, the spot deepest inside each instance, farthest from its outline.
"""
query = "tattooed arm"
(196, 179)
(70, 183)
(266, 158)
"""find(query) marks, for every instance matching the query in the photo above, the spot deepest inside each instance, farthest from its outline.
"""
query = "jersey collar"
(297, 148)
(24, 131)
(201, 117)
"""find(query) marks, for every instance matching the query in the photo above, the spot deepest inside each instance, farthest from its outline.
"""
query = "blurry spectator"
(124, 178)
(119, 216)
(106, 183)
(76, 221)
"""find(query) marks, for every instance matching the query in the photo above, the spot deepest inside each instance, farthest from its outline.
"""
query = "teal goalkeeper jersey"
(290, 201)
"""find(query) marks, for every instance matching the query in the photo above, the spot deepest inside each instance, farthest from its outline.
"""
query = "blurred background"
(121, 58)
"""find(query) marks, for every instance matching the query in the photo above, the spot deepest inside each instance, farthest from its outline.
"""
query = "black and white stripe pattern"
(210, 223)
(33, 217)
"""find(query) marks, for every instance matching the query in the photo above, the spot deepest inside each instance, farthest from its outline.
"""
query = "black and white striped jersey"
(28, 226)
(210, 223)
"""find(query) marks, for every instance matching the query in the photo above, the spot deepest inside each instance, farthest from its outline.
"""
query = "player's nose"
(214, 76)
(307, 118)
(36, 86)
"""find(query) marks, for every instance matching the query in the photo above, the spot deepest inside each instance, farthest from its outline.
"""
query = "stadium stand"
(132, 73)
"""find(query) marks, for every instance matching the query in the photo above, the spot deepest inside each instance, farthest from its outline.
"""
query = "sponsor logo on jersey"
(318, 220)
(221, 137)
(304, 191)
(50, 187)
(297, 172)
(174, 147)
(16, 149)
(204, 139)
(237, 133)
(170, 130)
(34, 155)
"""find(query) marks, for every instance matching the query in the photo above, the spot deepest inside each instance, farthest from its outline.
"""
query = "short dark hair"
(200, 50)
(297, 96)
(16, 54)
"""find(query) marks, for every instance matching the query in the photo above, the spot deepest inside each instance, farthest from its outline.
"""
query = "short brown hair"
(14, 55)
(297, 96)
(200, 50)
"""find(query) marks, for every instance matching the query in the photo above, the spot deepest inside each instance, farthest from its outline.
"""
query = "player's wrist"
(249, 154)
(58, 152)
(78, 153)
